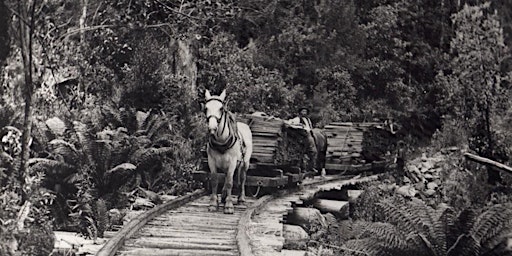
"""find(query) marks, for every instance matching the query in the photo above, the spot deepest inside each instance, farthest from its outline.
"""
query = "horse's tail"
(238, 172)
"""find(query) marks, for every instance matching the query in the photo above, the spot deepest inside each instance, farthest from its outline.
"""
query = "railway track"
(185, 227)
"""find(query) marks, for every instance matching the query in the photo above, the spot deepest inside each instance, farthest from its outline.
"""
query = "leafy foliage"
(413, 228)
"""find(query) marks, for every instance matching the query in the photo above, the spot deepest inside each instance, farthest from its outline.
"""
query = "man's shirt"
(302, 121)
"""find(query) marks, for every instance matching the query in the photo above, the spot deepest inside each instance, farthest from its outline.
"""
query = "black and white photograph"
(255, 127)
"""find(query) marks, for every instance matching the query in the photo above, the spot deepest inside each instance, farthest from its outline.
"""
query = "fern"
(367, 246)
(386, 233)
(148, 155)
(400, 215)
(101, 216)
(492, 225)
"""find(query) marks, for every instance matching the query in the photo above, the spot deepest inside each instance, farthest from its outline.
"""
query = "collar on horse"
(233, 136)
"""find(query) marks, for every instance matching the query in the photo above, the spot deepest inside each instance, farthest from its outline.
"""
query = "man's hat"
(303, 107)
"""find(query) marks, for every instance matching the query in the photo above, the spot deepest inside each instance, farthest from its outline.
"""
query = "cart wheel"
(253, 191)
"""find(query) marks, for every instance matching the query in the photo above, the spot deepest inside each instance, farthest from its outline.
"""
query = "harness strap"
(232, 138)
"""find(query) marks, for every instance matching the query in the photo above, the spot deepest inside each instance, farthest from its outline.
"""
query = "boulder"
(306, 217)
(295, 237)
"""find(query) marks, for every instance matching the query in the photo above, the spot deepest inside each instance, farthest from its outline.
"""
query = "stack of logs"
(344, 144)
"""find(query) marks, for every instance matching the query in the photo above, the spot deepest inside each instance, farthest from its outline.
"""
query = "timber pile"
(345, 144)
(267, 137)
(273, 144)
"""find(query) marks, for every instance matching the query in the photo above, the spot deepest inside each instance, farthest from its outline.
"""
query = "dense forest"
(101, 98)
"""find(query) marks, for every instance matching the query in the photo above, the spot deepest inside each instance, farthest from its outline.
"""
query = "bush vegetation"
(116, 91)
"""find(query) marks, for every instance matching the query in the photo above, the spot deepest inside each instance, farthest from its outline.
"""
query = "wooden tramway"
(184, 226)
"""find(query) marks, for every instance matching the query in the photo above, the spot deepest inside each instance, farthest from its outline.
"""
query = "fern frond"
(63, 148)
(140, 141)
(160, 127)
(49, 163)
(464, 245)
(433, 224)
(387, 233)
(73, 178)
(164, 140)
(142, 118)
(147, 155)
(400, 215)
(491, 222)
(48, 166)
(42, 133)
(366, 246)
(122, 167)
(85, 139)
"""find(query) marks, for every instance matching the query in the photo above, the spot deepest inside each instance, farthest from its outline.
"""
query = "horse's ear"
(201, 105)
(207, 94)
(223, 95)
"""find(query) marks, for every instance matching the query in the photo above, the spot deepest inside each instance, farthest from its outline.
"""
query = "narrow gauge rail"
(185, 227)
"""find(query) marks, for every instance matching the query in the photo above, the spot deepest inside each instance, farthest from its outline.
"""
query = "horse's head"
(214, 109)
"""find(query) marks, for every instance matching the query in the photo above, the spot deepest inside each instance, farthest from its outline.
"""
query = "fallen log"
(488, 162)
(338, 208)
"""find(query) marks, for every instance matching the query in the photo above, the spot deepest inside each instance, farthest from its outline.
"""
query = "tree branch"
(488, 162)
(177, 12)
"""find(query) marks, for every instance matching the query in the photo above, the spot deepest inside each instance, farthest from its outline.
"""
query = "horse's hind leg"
(243, 177)
(214, 184)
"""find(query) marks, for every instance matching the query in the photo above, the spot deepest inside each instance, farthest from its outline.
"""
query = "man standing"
(303, 121)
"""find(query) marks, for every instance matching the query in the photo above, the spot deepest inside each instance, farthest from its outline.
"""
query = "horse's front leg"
(226, 190)
(214, 204)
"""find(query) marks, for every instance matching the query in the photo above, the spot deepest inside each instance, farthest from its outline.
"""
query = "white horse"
(229, 149)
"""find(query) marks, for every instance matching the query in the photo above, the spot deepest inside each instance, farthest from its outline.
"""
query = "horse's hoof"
(241, 201)
(229, 210)
(212, 208)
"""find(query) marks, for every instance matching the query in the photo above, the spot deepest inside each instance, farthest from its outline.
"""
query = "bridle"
(233, 134)
(222, 113)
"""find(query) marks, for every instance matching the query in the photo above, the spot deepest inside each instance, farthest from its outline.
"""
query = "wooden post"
(488, 162)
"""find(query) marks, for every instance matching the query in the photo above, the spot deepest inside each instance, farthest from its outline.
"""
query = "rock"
(407, 190)
(428, 176)
(425, 166)
(432, 185)
(419, 186)
(295, 237)
(56, 125)
(305, 217)
(407, 180)
(430, 192)
(353, 194)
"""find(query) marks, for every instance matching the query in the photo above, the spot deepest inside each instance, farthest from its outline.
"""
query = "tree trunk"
(26, 26)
